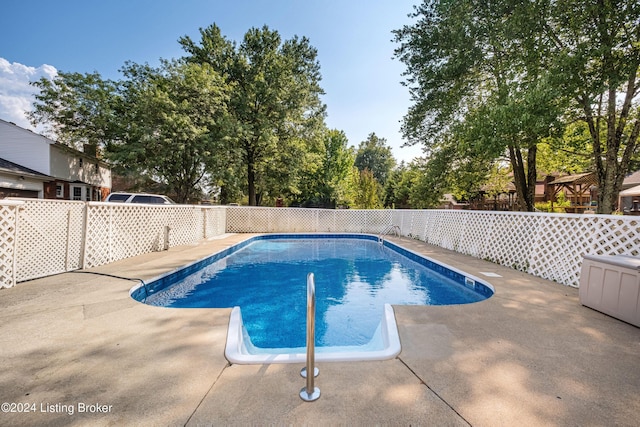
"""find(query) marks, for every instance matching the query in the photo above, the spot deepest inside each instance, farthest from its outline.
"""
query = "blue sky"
(353, 39)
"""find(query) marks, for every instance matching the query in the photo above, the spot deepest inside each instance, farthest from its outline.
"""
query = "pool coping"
(239, 351)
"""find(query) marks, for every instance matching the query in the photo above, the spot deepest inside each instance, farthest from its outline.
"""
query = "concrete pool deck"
(75, 349)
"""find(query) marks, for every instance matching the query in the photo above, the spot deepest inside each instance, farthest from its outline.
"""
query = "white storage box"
(611, 285)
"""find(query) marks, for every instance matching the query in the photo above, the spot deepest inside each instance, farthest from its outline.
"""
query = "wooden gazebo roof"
(578, 186)
(586, 178)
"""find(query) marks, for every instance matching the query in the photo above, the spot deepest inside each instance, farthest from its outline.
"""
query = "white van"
(153, 199)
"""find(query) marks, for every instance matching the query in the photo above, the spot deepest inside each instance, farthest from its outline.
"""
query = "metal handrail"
(310, 392)
(387, 230)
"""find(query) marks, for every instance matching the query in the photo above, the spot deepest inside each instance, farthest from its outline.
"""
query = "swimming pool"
(357, 278)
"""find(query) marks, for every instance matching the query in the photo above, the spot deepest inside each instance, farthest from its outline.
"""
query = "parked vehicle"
(153, 199)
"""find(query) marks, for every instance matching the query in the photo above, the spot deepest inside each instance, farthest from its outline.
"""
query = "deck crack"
(435, 393)
(207, 393)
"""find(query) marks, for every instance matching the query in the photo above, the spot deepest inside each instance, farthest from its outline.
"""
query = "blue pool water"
(354, 275)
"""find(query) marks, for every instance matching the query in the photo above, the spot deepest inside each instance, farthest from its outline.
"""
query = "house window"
(77, 193)
(60, 191)
(80, 162)
(88, 194)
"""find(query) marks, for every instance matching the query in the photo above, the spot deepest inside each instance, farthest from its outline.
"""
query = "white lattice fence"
(49, 238)
(8, 230)
(214, 221)
(118, 231)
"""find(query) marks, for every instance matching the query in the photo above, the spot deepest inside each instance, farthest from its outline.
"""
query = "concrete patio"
(77, 350)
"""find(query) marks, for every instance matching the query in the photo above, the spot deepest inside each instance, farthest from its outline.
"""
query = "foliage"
(375, 155)
(365, 190)
(172, 121)
(327, 170)
(76, 108)
(474, 79)
(275, 102)
(511, 74)
(558, 205)
(568, 154)
(595, 59)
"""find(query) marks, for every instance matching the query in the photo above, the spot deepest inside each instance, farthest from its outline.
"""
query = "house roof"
(632, 179)
(16, 169)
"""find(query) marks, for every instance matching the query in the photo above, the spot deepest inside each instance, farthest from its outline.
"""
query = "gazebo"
(578, 188)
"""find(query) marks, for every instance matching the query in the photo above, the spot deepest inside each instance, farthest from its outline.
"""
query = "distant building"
(32, 165)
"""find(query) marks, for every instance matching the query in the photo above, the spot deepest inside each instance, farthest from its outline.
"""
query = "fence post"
(85, 234)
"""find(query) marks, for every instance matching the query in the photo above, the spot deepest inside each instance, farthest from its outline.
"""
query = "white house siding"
(65, 165)
(25, 148)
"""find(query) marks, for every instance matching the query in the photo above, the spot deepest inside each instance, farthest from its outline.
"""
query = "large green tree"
(172, 121)
(595, 57)
(166, 123)
(375, 155)
(325, 181)
(75, 108)
(276, 98)
(474, 77)
(510, 70)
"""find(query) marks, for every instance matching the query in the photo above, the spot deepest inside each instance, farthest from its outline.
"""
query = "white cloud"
(16, 94)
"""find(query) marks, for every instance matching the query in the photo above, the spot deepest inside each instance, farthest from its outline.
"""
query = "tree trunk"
(525, 188)
(532, 177)
(251, 181)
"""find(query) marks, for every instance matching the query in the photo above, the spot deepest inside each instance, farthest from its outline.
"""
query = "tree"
(568, 154)
(595, 58)
(400, 186)
(473, 75)
(75, 108)
(523, 66)
(366, 189)
(172, 121)
(327, 169)
(276, 99)
(375, 155)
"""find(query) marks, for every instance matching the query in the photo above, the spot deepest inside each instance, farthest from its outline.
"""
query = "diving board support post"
(310, 392)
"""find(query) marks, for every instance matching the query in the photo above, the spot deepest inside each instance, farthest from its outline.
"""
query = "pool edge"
(236, 349)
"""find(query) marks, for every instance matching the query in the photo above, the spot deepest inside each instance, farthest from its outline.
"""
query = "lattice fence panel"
(559, 245)
(50, 237)
(327, 220)
(616, 236)
(473, 239)
(118, 231)
(239, 220)
(418, 225)
(135, 231)
(433, 228)
(304, 220)
(450, 229)
(510, 239)
(98, 245)
(8, 230)
(398, 218)
(214, 221)
(260, 220)
(377, 221)
(185, 223)
(351, 221)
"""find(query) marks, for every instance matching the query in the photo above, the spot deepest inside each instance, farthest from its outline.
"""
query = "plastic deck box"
(611, 285)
